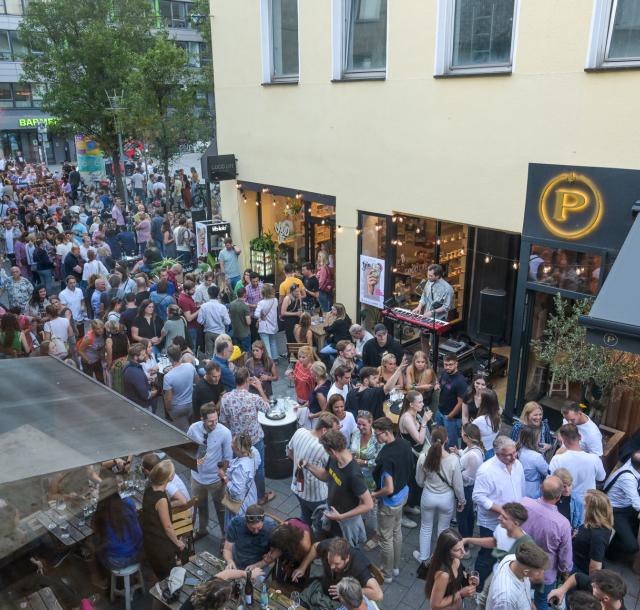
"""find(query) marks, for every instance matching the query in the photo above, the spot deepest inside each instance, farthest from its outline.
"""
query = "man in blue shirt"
(136, 384)
(229, 263)
(247, 539)
(221, 357)
(394, 466)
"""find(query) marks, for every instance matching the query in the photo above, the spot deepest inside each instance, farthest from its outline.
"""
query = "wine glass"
(295, 600)
(474, 579)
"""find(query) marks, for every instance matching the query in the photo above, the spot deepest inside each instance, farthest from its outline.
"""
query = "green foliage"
(165, 263)
(80, 50)
(565, 349)
(264, 243)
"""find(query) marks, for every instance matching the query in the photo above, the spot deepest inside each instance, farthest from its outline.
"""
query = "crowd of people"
(119, 294)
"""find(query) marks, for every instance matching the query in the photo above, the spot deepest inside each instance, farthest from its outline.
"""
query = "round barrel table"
(277, 433)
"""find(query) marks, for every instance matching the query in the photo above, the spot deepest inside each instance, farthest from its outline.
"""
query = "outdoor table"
(64, 525)
(317, 329)
(277, 434)
(392, 406)
(44, 599)
(204, 566)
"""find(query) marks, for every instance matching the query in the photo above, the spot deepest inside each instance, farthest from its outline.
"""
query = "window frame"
(269, 77)
(12, 87)
(445, 35)
(3, 8)
(340, 32)
(604, 12)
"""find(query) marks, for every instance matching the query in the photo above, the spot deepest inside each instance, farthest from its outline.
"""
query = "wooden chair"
(182, 522)
(376, 572)
(292, 356)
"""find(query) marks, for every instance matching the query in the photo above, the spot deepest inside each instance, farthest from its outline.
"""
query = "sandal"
(268, 496)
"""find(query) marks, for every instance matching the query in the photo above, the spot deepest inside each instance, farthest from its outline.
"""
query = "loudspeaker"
(493, 312)
(198, 215)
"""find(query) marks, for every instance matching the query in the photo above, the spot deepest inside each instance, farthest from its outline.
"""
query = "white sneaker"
(408, 523)
(388, 580)
(396, 571)
(412, 510)
(416, 556)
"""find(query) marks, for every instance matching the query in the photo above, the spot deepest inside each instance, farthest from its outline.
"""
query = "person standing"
(239, 412)
(453, 387)
(552, 533)
(240, 316)
(590, 435)
(511, 584)
(214, 317)
(440, 475)
(135, 381)
(585, 468)
(266, 313)
(214, 442)
(391, 474)
(208, 389)
(437, 297)
(498, 481)
(304, 447)
(189, 311)
(137, 180)
(311, 286)
(178, 389)
(18, 289)
(229, 261)
(622, 488)
(349, 498)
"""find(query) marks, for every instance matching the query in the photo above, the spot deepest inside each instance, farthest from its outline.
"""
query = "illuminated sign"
(34, 122)
(571, 206)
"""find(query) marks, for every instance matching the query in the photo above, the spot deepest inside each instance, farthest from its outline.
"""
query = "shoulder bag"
(233, 505)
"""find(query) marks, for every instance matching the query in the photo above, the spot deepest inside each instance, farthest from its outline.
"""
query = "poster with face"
(372, 281)
(202, 239)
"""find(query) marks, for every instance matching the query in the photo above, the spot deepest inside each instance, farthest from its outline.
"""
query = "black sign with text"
(222, 167)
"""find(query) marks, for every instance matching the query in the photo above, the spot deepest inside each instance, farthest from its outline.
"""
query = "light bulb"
(257, 203)
(515, 265)
(238, 186)
(394, 218)
(487, 259)
(438, 242)
(340, 229)
(417, 230)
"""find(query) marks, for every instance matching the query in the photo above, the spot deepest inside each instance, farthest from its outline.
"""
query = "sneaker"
(408, 523)
(388, 580)
(396, 571)
(412, 510)
(416, 556)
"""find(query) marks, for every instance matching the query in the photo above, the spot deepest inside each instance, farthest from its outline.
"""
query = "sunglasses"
(254, 519)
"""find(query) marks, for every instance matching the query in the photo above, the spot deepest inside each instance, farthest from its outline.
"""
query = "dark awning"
(54, 418)
(614, 319)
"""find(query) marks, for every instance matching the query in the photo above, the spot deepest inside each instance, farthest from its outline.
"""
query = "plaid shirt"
(253, 295)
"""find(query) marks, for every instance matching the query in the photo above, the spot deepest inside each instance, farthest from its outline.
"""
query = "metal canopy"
(614, 319)
(54, 418)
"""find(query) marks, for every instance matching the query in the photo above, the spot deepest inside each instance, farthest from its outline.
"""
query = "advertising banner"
(372, 281)
(89, 155)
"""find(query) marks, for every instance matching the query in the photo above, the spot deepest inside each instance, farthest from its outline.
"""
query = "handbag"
(233, 505)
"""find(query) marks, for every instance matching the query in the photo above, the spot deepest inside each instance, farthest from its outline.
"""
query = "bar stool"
(128, 591)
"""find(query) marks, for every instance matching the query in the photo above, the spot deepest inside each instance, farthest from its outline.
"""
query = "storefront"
(299, 224)
(401, 247)
(576, 221)
(19, 134)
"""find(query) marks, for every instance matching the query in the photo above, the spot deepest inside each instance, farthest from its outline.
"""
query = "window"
(279, 31)
(284, 39)
(615, 36)
(5, 46)
(175, 14)
(475, 36)
(17, 95)
(12, 7)
(195, 52)
(18, 48)
(363, 38)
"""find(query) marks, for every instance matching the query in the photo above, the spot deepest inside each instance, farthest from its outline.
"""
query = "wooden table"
(204, 566)
(64, 525)
(317, 328)
(44, 599)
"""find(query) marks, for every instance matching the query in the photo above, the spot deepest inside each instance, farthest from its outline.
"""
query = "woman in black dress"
(290, 311)
(593, 537)
(147, 325)
(159, 538)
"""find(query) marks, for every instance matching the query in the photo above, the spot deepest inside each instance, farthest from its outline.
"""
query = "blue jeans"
(160, 245)
(307, 508)
(244, 344)
(453, 426)
(46, 279)
(260, 484)
(193, 335)
(465, 518)
(485, 560)
(271, 345)
(540, 596)
(325, 300)
(233, 281)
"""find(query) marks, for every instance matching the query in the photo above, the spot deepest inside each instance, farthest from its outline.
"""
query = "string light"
(298, 195)
(394, 218)
(265, 189)
(487, 259)
(515, 264)
(340, 229)
(239, 186)
(257, 203)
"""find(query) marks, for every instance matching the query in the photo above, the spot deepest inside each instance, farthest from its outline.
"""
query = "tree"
(78, 51)
(168, 102)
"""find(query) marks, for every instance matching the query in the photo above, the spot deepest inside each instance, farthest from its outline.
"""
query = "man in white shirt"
(590, 435)
(201, 294)
(585, 468)
(214, 442)
(73, 298)
(360, 337)
(137, 179)
(214, 316)
(159, 185)
(622, 487)
(511, 585)
(498, 481)
(342, 382)
(177, 491)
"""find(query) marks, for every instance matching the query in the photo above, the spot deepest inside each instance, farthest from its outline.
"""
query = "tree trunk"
(165, 163)
(119, 178)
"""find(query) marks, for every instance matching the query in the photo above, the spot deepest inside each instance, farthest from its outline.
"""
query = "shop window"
(5, 46)
(475, 36)
(22, 95)
(18, 48)
(6, 95)
(565, 269)
(283, 37)
(360, 39)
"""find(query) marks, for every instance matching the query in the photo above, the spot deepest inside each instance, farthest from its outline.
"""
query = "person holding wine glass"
(446, 584)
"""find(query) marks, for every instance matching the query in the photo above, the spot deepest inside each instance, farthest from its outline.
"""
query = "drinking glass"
(295, 600)
(474, 579)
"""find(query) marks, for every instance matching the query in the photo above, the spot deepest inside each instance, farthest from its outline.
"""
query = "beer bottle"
(300, 478)
(248, 591)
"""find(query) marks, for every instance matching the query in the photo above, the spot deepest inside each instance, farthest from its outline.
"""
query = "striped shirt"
(305, 446)
(507, 591)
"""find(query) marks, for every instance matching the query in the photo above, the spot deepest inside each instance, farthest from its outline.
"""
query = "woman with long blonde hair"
(420, 376)
(593, 537)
